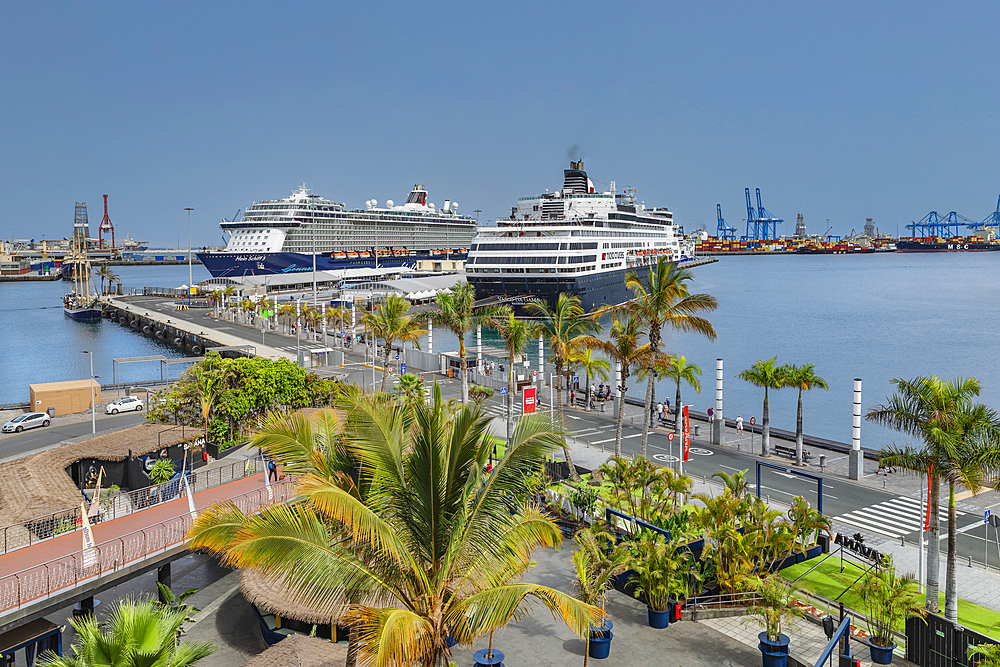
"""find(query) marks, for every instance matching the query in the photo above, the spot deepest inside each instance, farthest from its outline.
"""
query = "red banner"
(687, 434)
(528, 400)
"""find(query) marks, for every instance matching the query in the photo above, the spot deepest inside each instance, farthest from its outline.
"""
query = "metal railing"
(30, 532)
(69, 571)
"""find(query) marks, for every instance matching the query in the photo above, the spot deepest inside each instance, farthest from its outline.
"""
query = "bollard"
(767, 499)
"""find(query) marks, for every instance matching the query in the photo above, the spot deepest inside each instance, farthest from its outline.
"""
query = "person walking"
(659, 412)
(739, 424)
(272, 469)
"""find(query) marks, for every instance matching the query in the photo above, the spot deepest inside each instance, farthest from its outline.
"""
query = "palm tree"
(411, 387)
(624, 349)
(227, 292)
(113, 279)
(102, 272)
(457, 312)
(662, 299)
(769, 376)
(960, 446)
(418, 551)
(210, 377)
(137, 634)
(390, 322)
(802, 378)
(596, 566)
(516, 334)
(565, 324)
(677, 368)
(584, 359)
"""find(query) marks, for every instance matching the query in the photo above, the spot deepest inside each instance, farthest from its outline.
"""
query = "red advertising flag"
(687, 434)
(528, 400)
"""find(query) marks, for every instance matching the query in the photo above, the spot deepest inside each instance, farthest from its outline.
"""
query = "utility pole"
(93, 401)
(312, 206)
(190, 273)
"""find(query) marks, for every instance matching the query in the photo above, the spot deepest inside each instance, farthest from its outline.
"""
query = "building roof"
(38, 485)
(413, 288)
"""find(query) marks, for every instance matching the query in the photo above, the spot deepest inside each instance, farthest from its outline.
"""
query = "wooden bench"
(789, 452)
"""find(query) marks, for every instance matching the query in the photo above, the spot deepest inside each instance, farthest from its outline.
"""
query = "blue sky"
(836, 110)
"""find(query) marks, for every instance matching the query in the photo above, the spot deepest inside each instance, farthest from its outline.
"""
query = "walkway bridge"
(41, 577)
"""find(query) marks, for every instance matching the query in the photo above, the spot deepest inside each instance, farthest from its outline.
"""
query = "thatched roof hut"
(38, 484)
(301, 651)
(273, 596)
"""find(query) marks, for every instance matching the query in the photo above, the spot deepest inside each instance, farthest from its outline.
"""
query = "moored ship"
(973, 244)
(284, 235)
(575, 240)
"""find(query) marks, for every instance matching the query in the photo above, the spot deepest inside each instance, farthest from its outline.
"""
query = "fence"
(422, 361)
(940, 643)
(70, 571)
(39, 529)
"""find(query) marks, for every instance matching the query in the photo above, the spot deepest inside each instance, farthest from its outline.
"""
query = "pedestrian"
(572, 397)
(666, 409)
(659, 412)
(272, 469)
(592, 396)
(739, 424)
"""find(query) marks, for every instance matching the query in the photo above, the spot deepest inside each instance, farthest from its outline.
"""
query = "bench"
(789, 452)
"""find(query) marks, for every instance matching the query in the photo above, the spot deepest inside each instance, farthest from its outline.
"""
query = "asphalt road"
(19, 444)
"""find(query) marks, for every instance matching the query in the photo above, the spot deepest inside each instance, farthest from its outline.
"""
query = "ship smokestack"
(575, 178)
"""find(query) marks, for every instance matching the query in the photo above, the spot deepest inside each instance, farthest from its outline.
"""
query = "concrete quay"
(159, 319)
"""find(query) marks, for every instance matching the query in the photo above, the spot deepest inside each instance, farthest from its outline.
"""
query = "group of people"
(598, 394)
(662, 411)
(490, 367)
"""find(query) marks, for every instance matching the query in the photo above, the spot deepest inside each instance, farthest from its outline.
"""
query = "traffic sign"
(986, 517)
(397, 357)
(670, 437)
(534, 374)
(390, 369)
(753, 421)
(402, 368)
(711, 412)
(503, 390)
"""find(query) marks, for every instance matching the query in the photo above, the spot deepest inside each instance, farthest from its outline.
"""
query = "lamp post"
(93, 403)
(312, 209)
(190, 279)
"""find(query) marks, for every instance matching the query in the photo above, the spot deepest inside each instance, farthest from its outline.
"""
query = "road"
(18, 444)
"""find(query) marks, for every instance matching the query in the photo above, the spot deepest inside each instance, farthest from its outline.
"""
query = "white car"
(124, 405)
(29, 420)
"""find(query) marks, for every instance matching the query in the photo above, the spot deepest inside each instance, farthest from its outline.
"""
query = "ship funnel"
(575, 178)
(447, 206)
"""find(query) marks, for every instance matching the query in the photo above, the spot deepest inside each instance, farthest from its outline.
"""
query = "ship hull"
(945, 246)
(83, 314)
(234, 264)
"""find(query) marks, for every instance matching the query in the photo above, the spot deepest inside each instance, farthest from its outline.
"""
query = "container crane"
(724, 232)
(106, 226)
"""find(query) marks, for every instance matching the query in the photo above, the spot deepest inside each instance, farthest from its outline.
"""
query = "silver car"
(29, 420)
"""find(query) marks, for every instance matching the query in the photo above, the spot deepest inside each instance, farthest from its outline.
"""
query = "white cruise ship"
(281, 235)
(575, 240)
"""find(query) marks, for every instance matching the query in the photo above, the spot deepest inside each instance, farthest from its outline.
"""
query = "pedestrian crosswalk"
(893, 518)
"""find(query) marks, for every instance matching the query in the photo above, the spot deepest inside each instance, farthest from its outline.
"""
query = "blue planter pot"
(780, 646)
(600, 647)
(773, 659)
(658, 619)
(881, 655)
(600, 641)
(483, 661)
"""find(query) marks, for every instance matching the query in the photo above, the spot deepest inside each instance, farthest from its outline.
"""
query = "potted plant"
(888, 599)
(660, 571)
(596, 565)
(773, 610)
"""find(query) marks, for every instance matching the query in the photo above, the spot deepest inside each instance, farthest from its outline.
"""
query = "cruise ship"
(281, 235)
(575, 240)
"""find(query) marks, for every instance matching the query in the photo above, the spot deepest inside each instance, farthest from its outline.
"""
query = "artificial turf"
(828, 581)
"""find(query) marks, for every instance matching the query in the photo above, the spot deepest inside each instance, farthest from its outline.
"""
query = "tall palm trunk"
(573, 474)
(934, 548)
(352, 646)
(586, 650)
(509, 415)
(765, 427)
(385, 365)
(645, 420)
(621, 415)
(463, 368)
(950, 586)
(798, 432)
(677, 413)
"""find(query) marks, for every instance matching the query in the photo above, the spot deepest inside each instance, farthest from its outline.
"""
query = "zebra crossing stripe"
(895, 518)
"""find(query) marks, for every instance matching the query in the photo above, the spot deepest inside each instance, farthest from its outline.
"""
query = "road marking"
(895, 517)
(601, 442)
(634, 435)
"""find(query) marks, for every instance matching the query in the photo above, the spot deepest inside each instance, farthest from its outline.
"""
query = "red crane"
(106, 226)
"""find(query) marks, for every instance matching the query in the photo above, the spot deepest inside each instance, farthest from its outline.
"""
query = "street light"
(312, 208)
(190, 279)
(93, 403)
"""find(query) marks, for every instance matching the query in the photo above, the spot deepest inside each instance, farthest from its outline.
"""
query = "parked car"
(29, 420)
(124, 405)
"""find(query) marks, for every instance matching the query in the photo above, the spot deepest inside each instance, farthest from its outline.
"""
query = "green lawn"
(827, 581)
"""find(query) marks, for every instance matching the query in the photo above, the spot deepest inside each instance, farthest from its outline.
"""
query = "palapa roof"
(301, 651)
(273, 596)
(38, 484)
